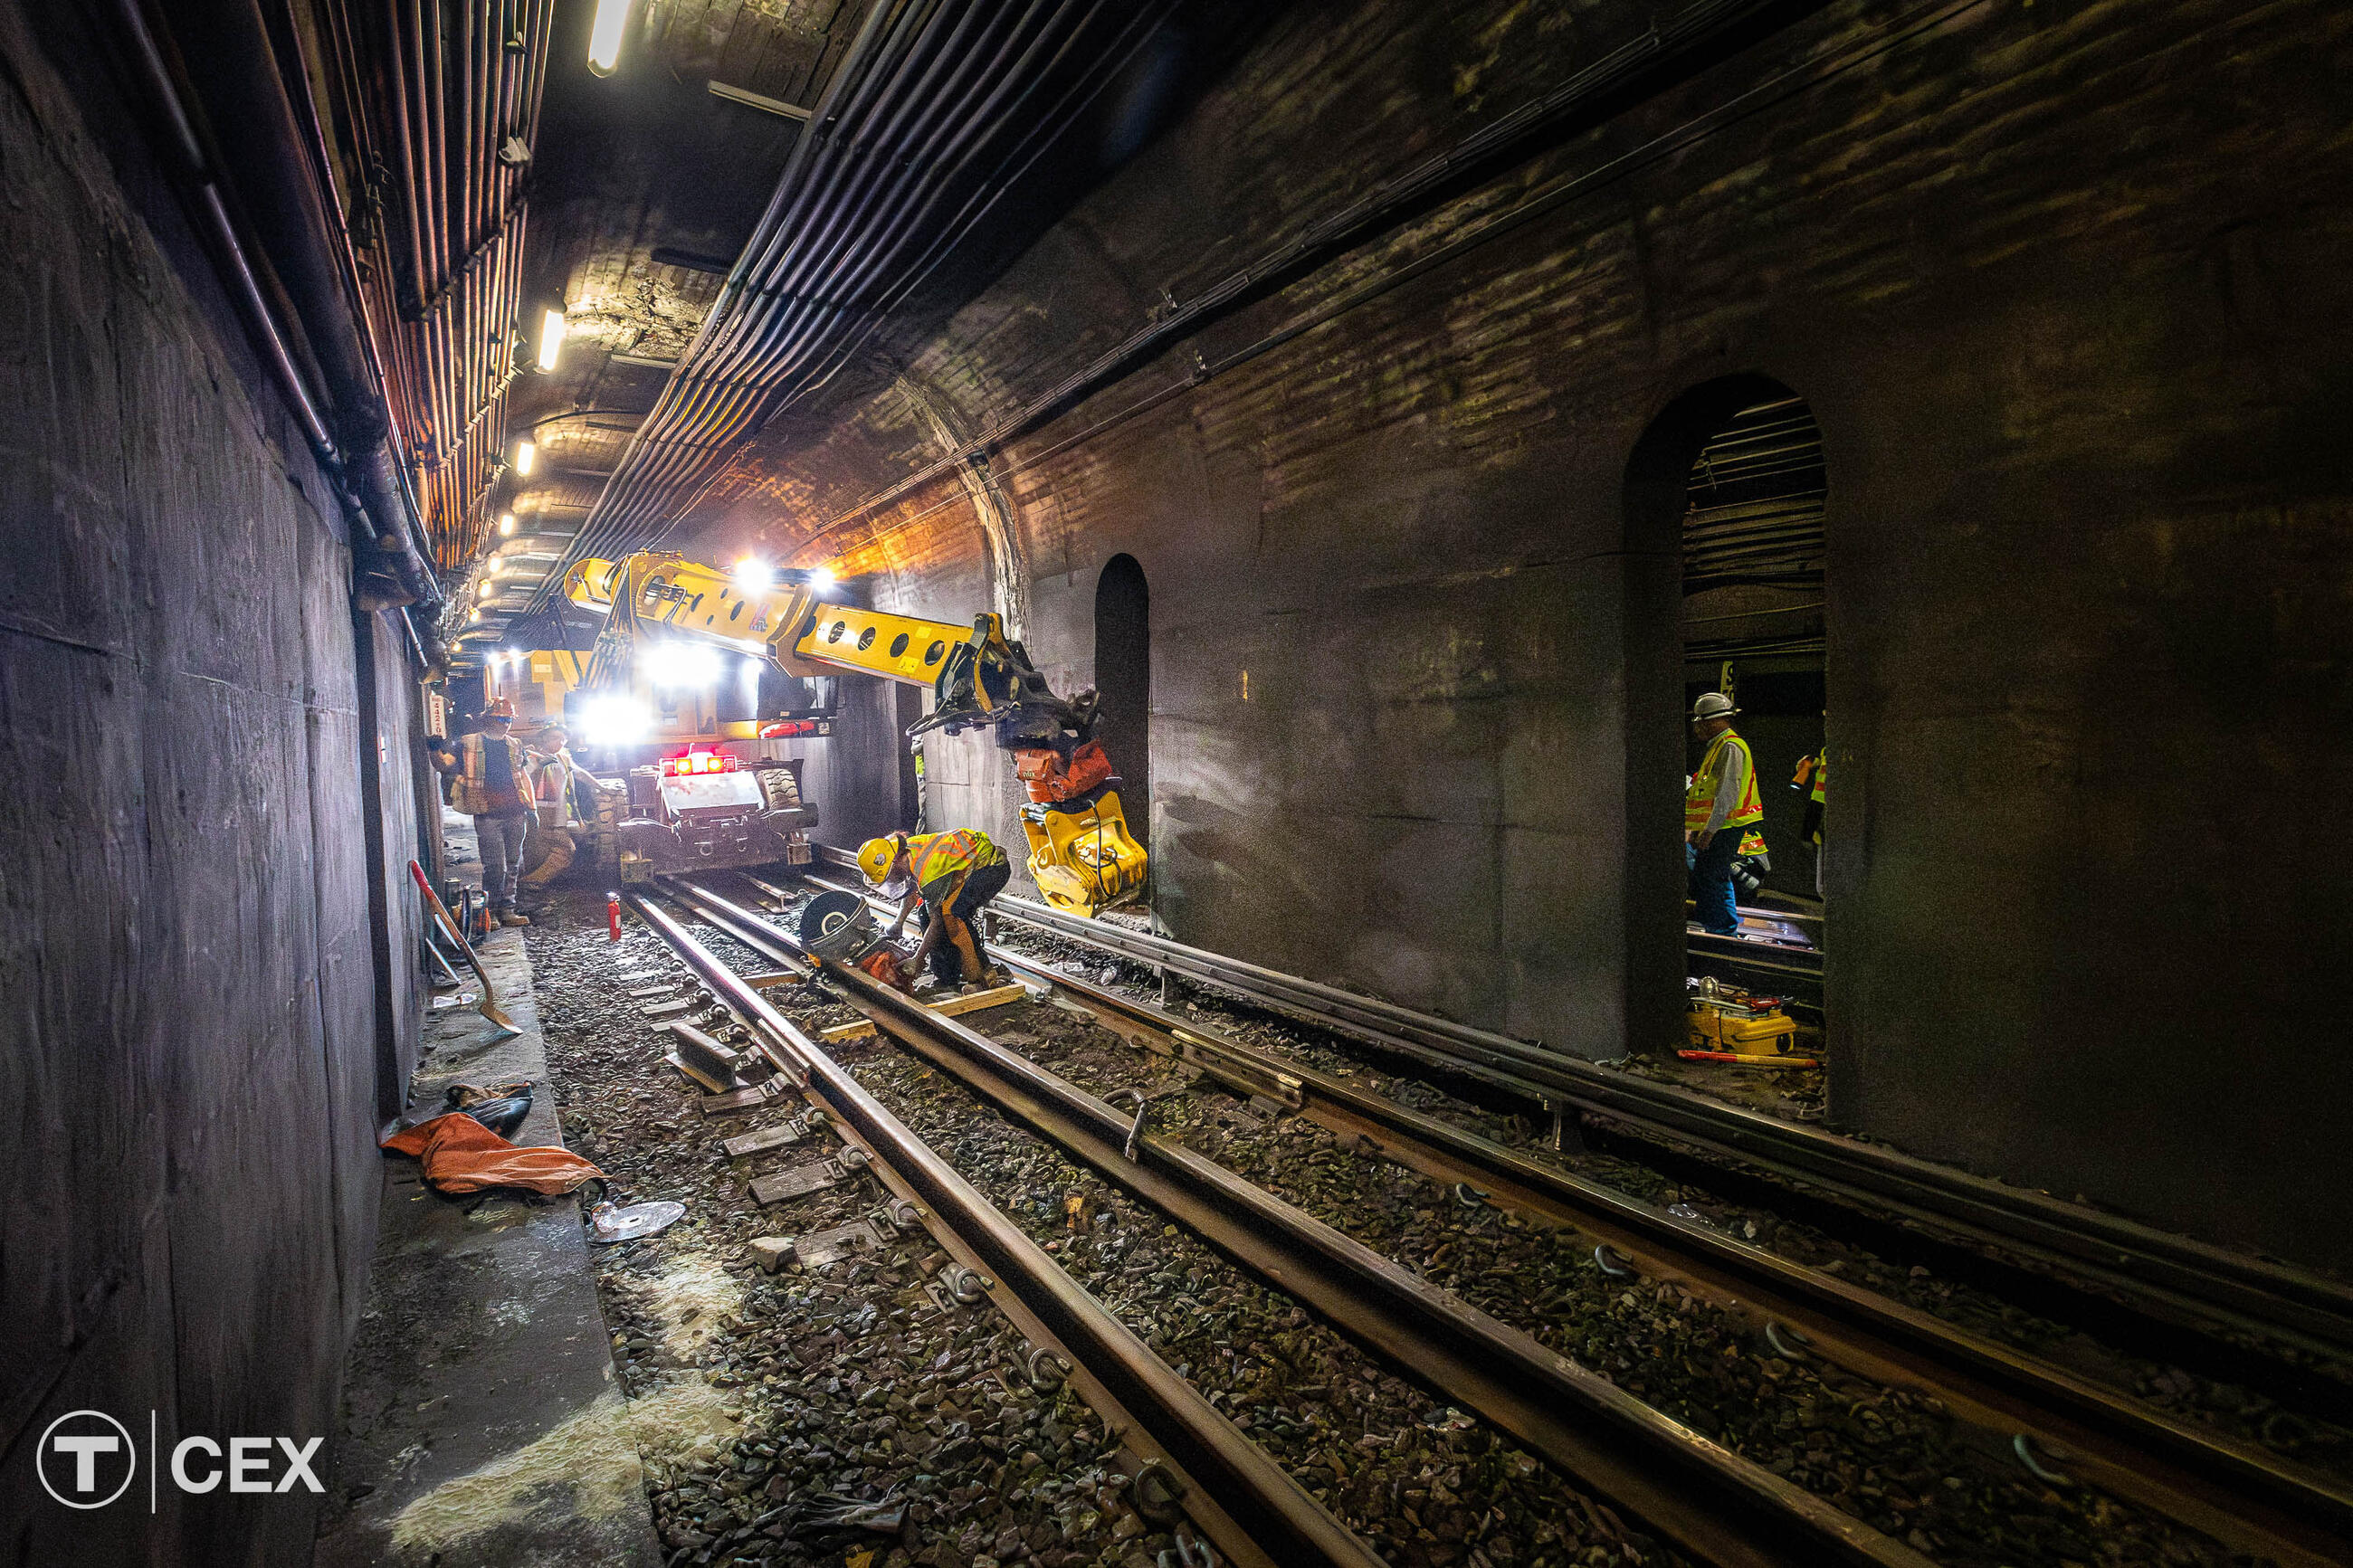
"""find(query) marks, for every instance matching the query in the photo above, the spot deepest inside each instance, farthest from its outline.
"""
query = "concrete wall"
(190, 1053)
(2067, 286)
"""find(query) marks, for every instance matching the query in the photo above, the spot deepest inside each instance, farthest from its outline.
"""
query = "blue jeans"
(1711, 882)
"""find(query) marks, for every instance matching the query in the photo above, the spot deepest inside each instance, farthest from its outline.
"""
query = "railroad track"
(2164, 1294)
(1236, 1497)
(1711, 1505)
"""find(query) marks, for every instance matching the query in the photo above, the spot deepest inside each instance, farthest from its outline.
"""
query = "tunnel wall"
(189, 1061)
(2067, 288)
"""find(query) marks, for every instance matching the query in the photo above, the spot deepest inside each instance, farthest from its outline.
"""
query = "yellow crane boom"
(1081, 855)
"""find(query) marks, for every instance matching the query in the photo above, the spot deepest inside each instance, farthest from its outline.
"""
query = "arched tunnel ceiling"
(650, 183)
(1307, 129)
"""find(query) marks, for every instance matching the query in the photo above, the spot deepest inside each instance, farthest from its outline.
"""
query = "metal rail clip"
(1136, 1129)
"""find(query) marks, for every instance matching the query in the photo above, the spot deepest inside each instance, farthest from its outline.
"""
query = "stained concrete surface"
(1417, 689)
(188, 1068)
(482, 1423)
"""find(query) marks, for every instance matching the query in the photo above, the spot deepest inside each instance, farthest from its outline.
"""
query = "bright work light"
(526, 454)
(613, 721)
(550, 339)
(682, 664)
(605, 36)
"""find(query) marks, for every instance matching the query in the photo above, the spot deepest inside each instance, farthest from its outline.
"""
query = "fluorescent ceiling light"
(526, 454)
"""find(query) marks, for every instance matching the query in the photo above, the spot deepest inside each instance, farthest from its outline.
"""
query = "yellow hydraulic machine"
(661, 608)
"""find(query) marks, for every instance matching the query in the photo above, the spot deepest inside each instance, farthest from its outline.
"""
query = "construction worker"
(553, 843)
(490, 782)
(1814, 777)
(953, 874)
(1721, 813)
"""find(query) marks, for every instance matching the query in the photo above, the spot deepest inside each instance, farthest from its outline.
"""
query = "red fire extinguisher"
(613, 915)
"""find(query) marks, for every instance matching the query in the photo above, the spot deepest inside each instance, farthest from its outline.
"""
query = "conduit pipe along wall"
(275, 258)
(938, 107)
(287, 283)
(428, 93)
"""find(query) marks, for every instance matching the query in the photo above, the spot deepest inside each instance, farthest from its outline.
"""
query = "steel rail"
(1250, 1507)
(2272, 1297)
(1710, 1503)
(2237, 1492)
(2240, 1493)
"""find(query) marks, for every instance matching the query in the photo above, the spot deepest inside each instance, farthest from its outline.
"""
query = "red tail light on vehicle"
(693, 760)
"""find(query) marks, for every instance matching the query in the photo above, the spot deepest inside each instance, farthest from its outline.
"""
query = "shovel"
(487, 1006)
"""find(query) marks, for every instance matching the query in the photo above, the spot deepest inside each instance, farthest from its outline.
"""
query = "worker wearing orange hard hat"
(491, 783)
(952, 875)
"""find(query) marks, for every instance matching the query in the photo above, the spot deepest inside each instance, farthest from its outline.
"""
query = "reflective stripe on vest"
(1821, 776)
(473, 770)
(933, 855)
(1699, 800)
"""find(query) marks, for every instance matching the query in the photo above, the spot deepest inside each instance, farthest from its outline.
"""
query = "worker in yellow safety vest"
(1814, 776)
(952, 874)
(1721, 813)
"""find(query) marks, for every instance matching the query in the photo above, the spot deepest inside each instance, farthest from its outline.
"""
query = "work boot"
(514, 917)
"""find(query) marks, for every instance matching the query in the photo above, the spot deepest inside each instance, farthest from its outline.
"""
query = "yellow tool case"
(1726, 1019)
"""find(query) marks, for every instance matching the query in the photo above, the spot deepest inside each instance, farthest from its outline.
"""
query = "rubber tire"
(603, 840)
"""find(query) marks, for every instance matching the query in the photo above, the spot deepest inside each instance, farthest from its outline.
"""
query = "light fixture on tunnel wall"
(526, 455)
(486, 589)
(605, 36)
(506, 525)
(550, 339)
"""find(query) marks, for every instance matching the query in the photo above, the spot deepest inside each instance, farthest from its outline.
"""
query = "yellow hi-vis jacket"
(1699, 797)
(934, 857)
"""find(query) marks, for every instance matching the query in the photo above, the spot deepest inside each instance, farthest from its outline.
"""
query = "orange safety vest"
(472, 794)
(935, 856)
(1699, 797)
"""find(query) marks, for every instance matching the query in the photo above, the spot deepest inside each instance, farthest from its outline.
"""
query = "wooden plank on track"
(976, 1001)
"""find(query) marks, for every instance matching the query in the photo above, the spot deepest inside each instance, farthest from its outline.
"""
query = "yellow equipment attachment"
(1083, 861)
(1083, 857)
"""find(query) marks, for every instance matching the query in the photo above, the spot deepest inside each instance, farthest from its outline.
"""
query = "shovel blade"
(497, 1015)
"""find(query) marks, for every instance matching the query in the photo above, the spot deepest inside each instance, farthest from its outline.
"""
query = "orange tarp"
(461, 1156)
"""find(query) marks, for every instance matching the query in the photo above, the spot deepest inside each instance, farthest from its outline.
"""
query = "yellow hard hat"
(875, 855)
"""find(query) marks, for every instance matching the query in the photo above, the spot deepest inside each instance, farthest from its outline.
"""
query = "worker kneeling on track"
(952, 874)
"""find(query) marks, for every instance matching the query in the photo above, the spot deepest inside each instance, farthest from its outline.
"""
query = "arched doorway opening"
(1732, 477)
(1124, 678)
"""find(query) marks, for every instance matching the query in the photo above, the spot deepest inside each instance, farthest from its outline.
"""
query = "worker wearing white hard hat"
(1721, 813)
